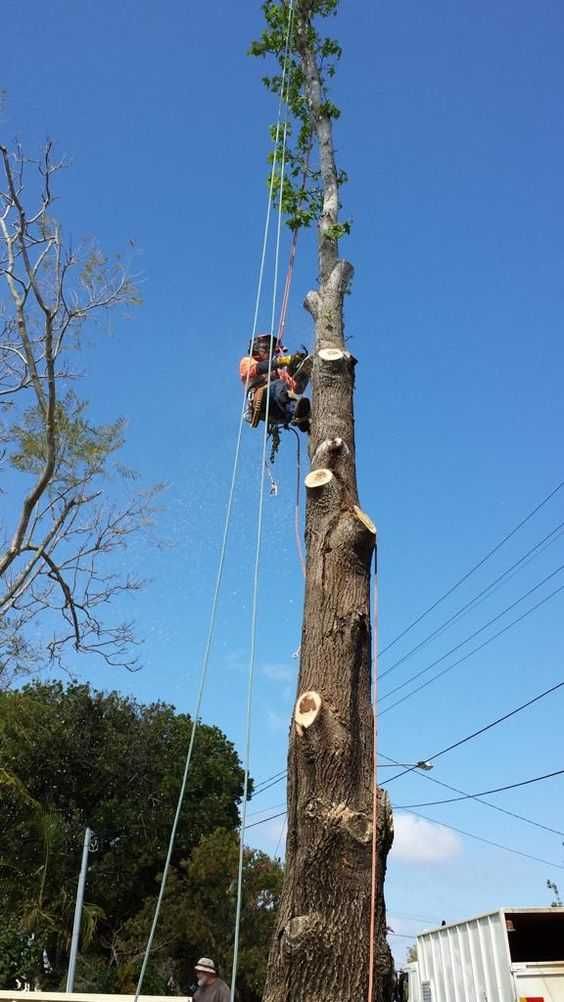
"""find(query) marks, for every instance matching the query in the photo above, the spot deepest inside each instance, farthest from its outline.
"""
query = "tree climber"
(289, 376)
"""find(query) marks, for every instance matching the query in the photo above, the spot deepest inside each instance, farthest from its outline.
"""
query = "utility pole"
(78, 911)
(323, 944)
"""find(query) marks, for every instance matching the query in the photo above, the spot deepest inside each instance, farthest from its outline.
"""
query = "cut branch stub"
(331, 354)
(307, 710)
(365, 519)
(329, 452)
(312, 303)
(318, 478)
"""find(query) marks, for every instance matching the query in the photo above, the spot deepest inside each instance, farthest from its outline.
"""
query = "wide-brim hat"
(206, 965)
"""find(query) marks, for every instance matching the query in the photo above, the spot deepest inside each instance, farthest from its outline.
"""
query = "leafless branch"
(52, 565)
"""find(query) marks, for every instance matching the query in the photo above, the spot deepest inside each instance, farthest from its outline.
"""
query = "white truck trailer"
(510, 955)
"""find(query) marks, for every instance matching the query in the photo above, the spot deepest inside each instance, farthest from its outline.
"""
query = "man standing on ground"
(210, 987)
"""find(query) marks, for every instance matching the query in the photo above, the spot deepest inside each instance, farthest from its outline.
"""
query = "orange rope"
(290, 272)
(375, 790)
(287, 287)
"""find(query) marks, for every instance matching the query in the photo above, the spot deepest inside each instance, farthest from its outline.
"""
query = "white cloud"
(420, 841)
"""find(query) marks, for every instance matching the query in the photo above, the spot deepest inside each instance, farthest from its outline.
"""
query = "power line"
(486, 803)
(552, 536)
(475, 633)
(475, 734)
(443, 824)
(485, 793)
(472, 569)
(264, 820)
(274, 780)
(277, 777)
(487, 841)
(272, 807)
(470, 653)
(494, 807)
(392, 913)
(261, 782)
(444, 751)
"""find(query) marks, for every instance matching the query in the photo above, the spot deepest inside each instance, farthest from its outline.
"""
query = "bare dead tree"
(58, 531)
(321, 947)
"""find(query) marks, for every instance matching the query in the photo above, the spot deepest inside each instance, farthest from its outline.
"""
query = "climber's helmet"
(263, 344)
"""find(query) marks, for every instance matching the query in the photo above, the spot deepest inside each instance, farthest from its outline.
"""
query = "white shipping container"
(510, 955)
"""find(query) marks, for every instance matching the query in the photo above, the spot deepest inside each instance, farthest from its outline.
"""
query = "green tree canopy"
(72, 757)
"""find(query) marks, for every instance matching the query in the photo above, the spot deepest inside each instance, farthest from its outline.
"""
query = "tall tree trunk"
(320, 952)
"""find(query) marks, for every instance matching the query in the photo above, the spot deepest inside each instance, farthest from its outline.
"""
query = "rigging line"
(469, 737)
(473, 569)
(475, 633)
(218, 582)
(487, 841)
(485, 793)
(252, 657)
(374, 847)
(473, 601)
(474, 651)
(460, 831)
(488, 803)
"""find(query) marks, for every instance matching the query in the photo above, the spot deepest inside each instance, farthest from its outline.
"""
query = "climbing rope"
(284, 89)
(290, 271)
(297, 507)
(374, 862)
(223, 548)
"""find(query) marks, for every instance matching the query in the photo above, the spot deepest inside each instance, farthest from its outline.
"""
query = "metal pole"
(78, 911)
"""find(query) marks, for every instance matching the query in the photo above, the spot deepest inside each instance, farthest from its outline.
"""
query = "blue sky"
(452, 137)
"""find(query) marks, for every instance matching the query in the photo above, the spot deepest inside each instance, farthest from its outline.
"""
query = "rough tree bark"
(320, 952)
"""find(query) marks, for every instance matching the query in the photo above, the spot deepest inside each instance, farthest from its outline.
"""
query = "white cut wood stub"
(318, 478)
(330, 354)
(307, 709)
(365, 519)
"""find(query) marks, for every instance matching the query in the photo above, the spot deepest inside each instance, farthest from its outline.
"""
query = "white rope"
(221, 564)
(252, 657)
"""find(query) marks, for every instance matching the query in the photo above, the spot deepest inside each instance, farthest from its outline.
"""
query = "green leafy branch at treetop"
(285, 37)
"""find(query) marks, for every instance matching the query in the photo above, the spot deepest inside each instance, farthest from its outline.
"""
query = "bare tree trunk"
(321, 948)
